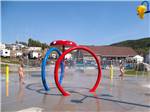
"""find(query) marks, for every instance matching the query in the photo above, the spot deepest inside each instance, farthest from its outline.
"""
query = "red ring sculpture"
(56, 77)
(63, 43)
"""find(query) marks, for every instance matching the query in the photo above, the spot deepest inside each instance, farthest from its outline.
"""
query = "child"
(21, 74)
(121, 70)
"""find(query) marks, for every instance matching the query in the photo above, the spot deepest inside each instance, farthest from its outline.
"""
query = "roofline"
(110, 55)
(106, 46)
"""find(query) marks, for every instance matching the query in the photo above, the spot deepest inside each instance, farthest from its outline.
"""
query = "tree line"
(141, 46)
(34, 43)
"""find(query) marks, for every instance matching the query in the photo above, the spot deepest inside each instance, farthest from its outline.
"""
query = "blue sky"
(93, 23)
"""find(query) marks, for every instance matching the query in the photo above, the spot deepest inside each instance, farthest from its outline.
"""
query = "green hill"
(142, 46)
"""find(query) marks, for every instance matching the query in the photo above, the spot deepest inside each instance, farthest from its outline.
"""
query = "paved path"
(132, 94)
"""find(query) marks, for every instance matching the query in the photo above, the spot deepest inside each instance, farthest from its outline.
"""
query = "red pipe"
(56, 77)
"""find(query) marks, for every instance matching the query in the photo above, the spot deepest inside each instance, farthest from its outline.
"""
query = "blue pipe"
(43, 66)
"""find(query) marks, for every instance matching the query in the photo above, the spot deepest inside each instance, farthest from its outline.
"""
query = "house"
(2, 46)
(21, 46)
(15, 46)
(110, 53)
(34, 48)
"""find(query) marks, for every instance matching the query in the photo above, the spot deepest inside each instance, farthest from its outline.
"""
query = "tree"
(141, 46)
(16, 42)
(23, 43)
(36, 43)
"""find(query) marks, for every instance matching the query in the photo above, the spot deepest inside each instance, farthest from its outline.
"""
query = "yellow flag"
(141, 10)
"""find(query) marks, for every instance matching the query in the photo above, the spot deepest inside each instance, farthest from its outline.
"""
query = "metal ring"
(43, 73)
(65, 93)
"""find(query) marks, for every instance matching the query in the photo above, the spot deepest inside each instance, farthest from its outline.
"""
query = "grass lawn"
(10, 60)
(134, 72)
(3, 68)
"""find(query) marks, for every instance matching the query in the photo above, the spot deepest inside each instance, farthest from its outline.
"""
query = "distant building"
(110, 52)
(2, 46)
(21, 45)
(34, 48)
(15, 46)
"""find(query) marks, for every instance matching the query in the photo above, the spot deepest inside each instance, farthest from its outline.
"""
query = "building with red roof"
(110, 52)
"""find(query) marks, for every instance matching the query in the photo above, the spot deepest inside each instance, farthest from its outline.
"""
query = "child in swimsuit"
(121, 70)
(21, 74)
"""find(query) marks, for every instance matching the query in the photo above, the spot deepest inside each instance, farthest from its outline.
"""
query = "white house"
(2, 46)
(21, 45)
(34, 49)
(5, 53)
(15, 46)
